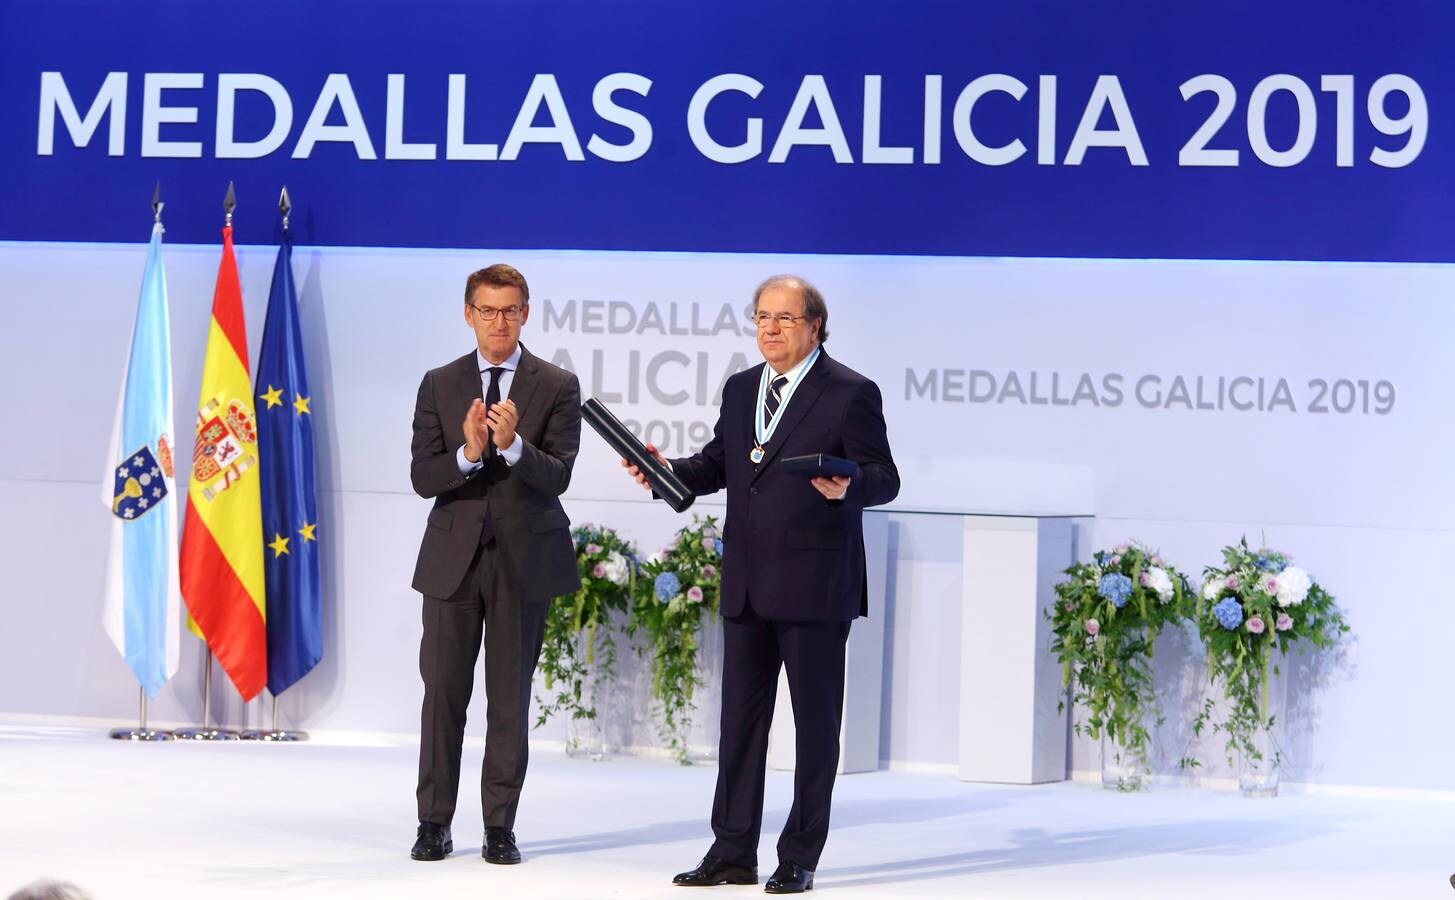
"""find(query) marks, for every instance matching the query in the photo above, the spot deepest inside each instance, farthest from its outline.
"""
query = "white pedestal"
(863, 675)
(1010, 684)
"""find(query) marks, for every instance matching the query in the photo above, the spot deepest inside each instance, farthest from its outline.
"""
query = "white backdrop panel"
(1355, 495)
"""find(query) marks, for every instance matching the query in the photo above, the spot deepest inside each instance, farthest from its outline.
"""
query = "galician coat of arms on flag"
(140, 481)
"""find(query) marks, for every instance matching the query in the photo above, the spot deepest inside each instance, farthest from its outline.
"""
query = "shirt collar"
(797, 371)
(512, 362)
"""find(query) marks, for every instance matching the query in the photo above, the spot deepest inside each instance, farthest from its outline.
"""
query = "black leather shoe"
(432, 842)
(789, 878)
(713, 871)
(500, 847)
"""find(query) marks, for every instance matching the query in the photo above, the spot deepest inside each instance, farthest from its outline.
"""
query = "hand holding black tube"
(643, 461)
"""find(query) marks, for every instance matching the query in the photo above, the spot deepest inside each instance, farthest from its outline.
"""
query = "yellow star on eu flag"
(273, 396)
(307, 531)
(279, 546)
(300, 404)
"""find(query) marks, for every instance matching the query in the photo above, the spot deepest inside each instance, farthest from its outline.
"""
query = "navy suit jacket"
(798, 556)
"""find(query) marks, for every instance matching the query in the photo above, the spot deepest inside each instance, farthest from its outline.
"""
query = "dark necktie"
(774, 398)
(492, 397)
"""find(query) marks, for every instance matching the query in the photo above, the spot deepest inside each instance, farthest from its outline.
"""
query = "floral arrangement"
(1254, 603)
(1107, 615)
(578, 654)
(676, 595)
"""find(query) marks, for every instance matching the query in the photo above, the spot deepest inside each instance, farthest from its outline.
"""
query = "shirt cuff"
(467, 467)
(512, 454)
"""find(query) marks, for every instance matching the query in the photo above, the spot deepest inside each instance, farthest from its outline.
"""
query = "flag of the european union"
(290, 508)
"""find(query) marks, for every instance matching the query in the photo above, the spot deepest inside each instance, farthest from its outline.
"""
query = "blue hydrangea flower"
(1115, 587)
(717, 545)
(667, 586)
(1229, 613)
(1270, 562)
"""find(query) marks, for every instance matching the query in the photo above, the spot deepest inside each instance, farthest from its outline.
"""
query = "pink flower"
(1270, 586)
(598, 571)
(593, 549)
(707, 544)
(1145, 579)
(1093, 627)
(709, 571)
(1156, 560)
(1255, 624)
(1232, 582)
(694, 594)
(1115, 560)
(1284, 623)
(1070, 606)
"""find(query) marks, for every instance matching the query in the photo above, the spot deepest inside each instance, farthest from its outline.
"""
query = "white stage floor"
(335, 819)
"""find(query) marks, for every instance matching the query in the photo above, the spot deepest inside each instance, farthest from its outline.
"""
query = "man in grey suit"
(495, 436)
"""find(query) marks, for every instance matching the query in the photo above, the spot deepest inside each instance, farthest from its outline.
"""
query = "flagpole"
(141, 732)
(206, 732)
(275, 734)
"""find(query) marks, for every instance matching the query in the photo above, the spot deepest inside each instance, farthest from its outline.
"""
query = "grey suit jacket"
(532, 531)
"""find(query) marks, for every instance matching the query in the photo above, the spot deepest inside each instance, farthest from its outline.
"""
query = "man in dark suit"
(495, 436)
(793, 575)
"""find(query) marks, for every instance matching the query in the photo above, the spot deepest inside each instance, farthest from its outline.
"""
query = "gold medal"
(756, 455)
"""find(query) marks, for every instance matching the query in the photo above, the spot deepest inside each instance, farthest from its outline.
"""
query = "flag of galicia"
(290, 508)
(143, 602)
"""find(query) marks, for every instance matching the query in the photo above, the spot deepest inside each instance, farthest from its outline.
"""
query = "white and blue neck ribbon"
(762, 429)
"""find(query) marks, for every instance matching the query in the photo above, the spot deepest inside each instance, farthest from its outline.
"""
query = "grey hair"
(46, 889)
(814, 306)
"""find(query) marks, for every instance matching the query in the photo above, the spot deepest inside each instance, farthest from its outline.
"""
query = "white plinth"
(1010, 685)
(863, 675)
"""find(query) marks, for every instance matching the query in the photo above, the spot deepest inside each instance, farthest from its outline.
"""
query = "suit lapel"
(803, 399)
(466, 384)
(523, 385)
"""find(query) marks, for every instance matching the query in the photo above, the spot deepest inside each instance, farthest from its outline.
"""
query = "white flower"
(1212, 589)
(1159, 581)
(1293, 585)
(615, 566)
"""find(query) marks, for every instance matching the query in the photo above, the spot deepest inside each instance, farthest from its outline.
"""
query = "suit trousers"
(812, 654)
(512, 631)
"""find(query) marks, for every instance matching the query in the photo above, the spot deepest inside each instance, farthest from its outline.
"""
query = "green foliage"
(1107, 616)
(578, 652)
(1276, 605)
(671, 619)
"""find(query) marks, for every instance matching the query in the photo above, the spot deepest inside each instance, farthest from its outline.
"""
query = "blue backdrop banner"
(1240, 130)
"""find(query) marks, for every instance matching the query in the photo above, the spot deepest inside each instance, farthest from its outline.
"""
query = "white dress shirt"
(510, 454)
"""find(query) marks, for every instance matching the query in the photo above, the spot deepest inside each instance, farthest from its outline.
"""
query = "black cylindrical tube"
(663, 482)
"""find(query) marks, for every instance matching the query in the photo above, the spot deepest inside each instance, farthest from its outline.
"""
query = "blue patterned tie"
(774, 398)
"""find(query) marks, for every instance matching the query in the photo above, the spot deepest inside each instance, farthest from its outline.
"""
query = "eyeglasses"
(488, 313)
(784, 320)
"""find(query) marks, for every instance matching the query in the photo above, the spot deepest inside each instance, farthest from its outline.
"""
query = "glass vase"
(1259, 762)
(585, 725)
(705, 728)
(1122, 769)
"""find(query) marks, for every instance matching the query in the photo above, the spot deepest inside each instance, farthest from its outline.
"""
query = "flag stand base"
(205, 734)
(275, 735)
(141, 732)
